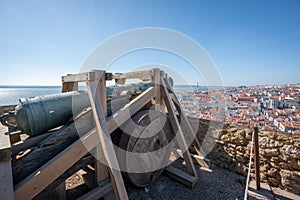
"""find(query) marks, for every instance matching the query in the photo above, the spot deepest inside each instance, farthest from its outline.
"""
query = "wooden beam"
(200, 160)
(69, 86)
(81, 77)
(176, 126)
(186, 122)
(157, 85)
(6, 180)
(42, 177)
(143, 75)
(6, 183)
(105, 142)
(181, 176)
(100, 169)
(5, 152)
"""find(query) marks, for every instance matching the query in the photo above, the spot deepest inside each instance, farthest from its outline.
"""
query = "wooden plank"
(6, 183)
(200, 160)
(106, 143)
(42, 177)
(81, 77)
(5, 152)
(85, 76)
(100, 169)
(186, 122)
(69, 86)
(181, 176)
(176, 126)
(143, 75)
(99, 191)
(156, 84)
(6, 180)
(265, 193)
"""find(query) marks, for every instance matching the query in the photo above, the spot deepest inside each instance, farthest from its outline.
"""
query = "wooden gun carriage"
(33, 166)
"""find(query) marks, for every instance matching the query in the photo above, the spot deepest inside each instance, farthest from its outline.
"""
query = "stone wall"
(279, 152)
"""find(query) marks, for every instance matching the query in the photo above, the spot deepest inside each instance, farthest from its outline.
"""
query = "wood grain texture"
(4, 144)
(105, 141)
(179, 134)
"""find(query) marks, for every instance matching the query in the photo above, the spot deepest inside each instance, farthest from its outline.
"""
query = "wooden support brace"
(69, 86)
(105, 141)
(156, 84)
(6, 180)
(143, 75)
(81, 77)
(176, 126)
(201, 161)
(42, 177)
(100, 169)
(185, 122)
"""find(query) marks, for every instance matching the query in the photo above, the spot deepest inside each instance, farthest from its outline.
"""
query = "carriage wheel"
(150, 135)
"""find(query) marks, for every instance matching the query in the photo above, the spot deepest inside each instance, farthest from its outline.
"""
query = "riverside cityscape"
(273, 107)
(149, 100)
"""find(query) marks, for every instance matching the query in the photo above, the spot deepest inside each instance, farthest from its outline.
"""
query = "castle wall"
(279, 152)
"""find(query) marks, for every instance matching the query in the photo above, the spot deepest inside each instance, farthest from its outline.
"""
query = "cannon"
(37, 115)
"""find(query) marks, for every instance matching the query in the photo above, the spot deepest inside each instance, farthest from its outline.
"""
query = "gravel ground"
(215, 184)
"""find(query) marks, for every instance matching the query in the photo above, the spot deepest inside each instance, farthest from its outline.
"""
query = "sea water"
(10, 95)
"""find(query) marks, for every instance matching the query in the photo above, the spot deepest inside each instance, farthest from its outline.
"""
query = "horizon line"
(195, 85)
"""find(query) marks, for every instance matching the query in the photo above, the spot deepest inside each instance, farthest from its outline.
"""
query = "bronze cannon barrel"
(37, 115)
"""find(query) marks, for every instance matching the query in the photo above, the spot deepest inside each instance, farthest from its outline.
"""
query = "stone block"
(240, 158)
(291, 180)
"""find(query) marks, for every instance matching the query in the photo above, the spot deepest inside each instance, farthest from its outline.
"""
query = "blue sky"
(251, 42)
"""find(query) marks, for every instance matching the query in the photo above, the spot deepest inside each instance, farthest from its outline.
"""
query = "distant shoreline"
(29, 86)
